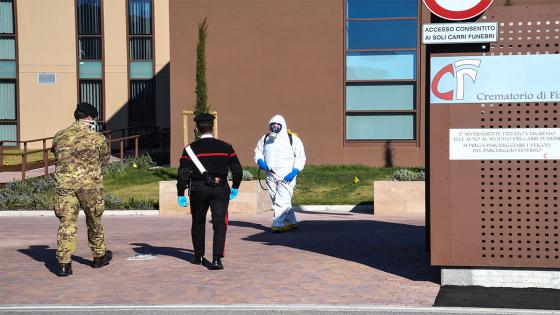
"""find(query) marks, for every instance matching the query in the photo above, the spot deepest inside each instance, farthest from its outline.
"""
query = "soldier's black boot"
(216, 263)
(104, 260)
(64, 270)
(197, 260)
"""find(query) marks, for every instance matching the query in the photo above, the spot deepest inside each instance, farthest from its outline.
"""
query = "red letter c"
(448, 96)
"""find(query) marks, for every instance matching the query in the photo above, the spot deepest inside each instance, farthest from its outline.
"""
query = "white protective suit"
(281, 157)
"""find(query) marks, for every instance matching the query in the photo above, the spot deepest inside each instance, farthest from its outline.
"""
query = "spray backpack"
(290, 135)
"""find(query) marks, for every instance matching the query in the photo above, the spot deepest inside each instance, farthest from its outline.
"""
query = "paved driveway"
(336, 259)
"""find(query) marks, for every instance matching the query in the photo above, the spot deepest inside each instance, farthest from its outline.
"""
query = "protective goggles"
(275, 127)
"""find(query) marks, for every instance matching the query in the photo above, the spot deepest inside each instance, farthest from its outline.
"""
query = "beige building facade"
(56, 53)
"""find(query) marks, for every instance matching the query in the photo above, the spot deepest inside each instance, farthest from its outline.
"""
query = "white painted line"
(264, 307)
(334, 208)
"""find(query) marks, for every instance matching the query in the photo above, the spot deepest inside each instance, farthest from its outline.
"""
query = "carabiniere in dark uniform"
(210, 189)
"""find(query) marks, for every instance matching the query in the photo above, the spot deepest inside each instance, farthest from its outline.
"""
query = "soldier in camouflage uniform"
(80, 153)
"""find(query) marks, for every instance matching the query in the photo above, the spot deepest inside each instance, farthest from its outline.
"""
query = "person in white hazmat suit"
(282, 156)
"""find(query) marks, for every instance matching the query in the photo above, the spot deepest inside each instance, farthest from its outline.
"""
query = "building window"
(8, 73)
(90, 54)
(381, 53)
(141, 62)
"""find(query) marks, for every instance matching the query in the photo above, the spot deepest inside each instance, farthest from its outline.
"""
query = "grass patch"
(315, 184)
(138, 183)
(16, 159)
(336, 185)
(134, 184)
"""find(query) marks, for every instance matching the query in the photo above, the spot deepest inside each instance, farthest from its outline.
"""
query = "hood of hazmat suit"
(278, 153)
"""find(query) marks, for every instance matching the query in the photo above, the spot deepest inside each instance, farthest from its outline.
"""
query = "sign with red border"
(457, 10)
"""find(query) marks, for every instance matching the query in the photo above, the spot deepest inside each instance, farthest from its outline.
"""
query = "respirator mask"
(275, 129)
(93, 125)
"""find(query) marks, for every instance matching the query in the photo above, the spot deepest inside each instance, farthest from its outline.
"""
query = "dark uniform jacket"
(216, 156)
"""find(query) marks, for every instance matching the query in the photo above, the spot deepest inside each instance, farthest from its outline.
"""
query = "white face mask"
(92, 124)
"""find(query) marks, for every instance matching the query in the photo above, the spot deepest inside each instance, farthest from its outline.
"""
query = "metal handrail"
(122, 140)
(108, 134)
(24, 155)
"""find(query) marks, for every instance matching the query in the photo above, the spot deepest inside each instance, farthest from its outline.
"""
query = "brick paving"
(343, 259)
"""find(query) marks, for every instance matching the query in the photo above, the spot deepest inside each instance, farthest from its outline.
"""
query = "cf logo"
(459, 70)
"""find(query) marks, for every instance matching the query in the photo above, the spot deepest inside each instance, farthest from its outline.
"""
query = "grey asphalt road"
(257, 310)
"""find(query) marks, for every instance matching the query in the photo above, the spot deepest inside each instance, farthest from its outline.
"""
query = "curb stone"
(297, 208)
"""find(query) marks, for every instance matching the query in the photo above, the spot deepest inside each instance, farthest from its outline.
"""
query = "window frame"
(15, 79)
(390, 48)
(153, 60)
(102, 116)
(415, 112)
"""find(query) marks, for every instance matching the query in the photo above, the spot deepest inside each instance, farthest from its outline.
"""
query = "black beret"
(204, 117)
(87, 109)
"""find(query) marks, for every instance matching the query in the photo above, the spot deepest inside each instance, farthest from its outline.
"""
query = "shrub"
(246, 176)
(34, 193)
(114, 168)
(30, 186)
(38, 194)
(409, 175)
(113, 202)
(141, 204)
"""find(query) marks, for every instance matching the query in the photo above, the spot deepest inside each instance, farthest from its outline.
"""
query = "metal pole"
(24, 161)
(1, 154)
(46, 157)
(122, 149)
(149, 141)
(136, 146)
(23, 165)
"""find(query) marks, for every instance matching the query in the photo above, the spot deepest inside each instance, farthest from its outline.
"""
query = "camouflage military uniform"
(80, 152)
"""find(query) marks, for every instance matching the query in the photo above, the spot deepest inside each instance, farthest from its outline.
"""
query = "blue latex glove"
(233, 193)
(262, 165)
(183, 201)
(288, 178)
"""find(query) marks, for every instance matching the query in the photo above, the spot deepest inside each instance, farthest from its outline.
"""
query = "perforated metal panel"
(519, 199)
(501, 212)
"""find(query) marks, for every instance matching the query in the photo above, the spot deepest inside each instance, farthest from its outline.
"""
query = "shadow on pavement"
(147, 249)
(47, 255)
(395, 248)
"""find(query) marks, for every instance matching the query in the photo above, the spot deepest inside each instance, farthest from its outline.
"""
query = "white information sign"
(504, 144)
(454, 33)
(457, 10)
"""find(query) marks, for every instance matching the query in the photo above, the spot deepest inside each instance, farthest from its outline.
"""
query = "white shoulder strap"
(195, 160)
